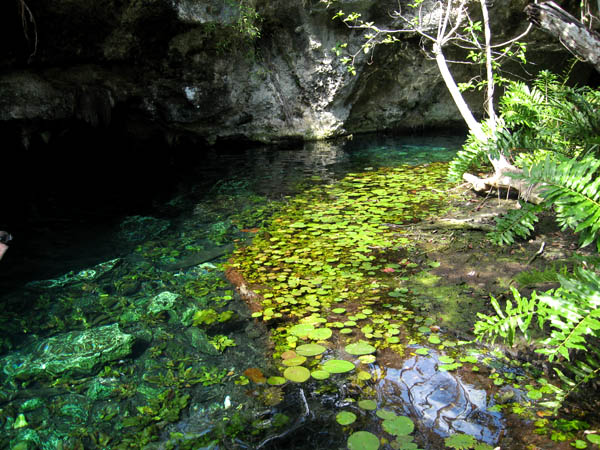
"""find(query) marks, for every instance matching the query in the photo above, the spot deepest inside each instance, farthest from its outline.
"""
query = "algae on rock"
(73, 353)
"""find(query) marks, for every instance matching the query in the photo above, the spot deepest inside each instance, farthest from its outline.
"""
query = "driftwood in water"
(567, 29)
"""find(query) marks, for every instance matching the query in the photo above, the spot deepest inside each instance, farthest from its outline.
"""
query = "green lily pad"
(369, 405)
(593, 438)
(363, 440)
(398, 426)
(422, 351)
(363, 375)
(360, 348)
(295, 361)
(446, 359)
(367, 359)
(460, 441)
(320, 374)
(338, 310)
(534, 394)
(320, 334)
(345, 418)
(393, 340)
(297, 374)
(433, 339)
(275, 381)
(338, 366)
(449, 367)
(385, 414)
(346, 330)
(301, 330)
(310, 349)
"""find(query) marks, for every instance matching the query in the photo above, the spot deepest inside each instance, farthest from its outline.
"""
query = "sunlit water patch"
(440, 400)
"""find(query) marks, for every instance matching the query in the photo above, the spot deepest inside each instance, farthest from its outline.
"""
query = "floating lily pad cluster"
(399, 427)
(319, 265)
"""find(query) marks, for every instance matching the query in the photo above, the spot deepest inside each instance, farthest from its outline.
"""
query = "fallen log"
(571, 33)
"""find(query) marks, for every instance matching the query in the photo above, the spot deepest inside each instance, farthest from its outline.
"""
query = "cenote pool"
(271, 300)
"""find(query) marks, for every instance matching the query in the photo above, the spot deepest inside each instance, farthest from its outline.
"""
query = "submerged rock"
(162, 302)
(140, 228)
(73, 353)
(90, 274)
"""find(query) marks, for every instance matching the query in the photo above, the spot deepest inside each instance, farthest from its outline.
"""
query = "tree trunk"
(463, 108)
(567, 29)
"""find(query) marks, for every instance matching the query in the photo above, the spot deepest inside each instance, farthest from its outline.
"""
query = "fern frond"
(573, 189)
(505, 323)
(473, 154)
(516, 222)
(574, 314)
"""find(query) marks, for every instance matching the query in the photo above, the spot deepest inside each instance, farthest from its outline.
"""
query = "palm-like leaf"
(572, 187)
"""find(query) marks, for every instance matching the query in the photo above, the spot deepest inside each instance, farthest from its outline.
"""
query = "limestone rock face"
(73, 353)
(215, 70)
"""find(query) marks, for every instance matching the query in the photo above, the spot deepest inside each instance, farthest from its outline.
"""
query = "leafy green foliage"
(572, 187)
(552, 116)
(516, 222)
(506, 322)
(573, 312)
(473, 155)
(571, 315)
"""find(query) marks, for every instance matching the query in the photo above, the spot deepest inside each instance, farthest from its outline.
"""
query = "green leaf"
(398, 426)
(345, 418)
(363, 440)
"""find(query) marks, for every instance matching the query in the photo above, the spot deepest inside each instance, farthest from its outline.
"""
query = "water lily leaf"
(534, 394)
(446, 359)
(449, 367)
(385, 414)
(460, 441)
(338, 366)
(320, 374)
(320, 334)
(363, 440)
(310, 349)
(275, 381)
(433, 339)
(301, 330)
(422, 351)
(297, 361)
(364, 375)
(297, 374)
(338, 310)
(367, 359)
(593, 438)
(255, 374)
(346, 330)
(369, 405)
(288, 354)
(393, 340)
(345, 418)
(398, 426)
(360, 348)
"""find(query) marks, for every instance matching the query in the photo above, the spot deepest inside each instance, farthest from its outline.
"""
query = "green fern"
(472, 155)
(516, 222)
(507, 322)
(573, 312)
(571, 315)
(572, 188)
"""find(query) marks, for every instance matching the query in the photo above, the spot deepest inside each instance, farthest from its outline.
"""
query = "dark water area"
(63, 203)
(119, 329)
